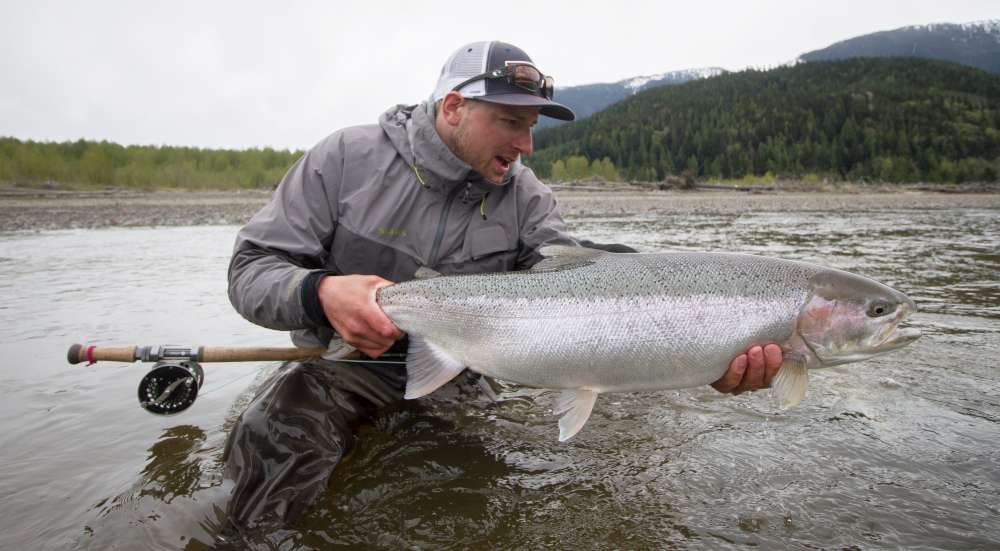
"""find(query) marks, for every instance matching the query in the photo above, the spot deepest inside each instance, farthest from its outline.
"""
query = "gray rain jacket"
(382, 199)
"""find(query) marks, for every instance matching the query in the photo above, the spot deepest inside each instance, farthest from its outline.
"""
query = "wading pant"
(283, 448)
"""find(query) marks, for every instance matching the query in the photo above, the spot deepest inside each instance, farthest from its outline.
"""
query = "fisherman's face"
(489, 136)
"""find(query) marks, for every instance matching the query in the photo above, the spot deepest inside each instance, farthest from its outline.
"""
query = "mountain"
(974, 44)
(889, 119)
(587, 99)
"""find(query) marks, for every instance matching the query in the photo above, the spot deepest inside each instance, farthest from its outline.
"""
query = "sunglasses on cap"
(522, 74)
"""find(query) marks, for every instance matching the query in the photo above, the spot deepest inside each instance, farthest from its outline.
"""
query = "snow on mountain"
(637, 84)
(587, 99)
(989, 26)
(976, 44)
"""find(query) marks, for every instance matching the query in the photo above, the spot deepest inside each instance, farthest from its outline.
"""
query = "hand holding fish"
(349, 304)
(751, 371)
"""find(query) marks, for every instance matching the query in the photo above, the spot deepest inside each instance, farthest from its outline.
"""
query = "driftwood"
(607, 187)
(662, 186)
(734, 188)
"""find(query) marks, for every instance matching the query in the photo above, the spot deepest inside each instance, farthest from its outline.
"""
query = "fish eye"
(880, 308)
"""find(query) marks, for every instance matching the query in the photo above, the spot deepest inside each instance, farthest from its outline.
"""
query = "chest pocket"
(486, 241)
(487, 249)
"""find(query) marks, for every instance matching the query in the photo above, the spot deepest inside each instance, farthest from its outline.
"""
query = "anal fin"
(574, 406)
(789, 385)
(428, 368)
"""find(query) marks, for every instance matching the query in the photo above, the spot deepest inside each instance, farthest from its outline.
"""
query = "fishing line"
(229, 382)
(233, 380)
(397, 362)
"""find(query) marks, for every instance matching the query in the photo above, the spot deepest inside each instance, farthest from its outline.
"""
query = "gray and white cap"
(480, 59)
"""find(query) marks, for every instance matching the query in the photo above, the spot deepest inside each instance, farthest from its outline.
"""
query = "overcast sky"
(254, 74)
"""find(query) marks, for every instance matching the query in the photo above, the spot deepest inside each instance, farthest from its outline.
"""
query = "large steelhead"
(587, 322)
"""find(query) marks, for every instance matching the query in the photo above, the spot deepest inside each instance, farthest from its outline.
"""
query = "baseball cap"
(483, 71)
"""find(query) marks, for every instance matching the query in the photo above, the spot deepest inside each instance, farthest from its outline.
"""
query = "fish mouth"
(899, 338)
(902, 333)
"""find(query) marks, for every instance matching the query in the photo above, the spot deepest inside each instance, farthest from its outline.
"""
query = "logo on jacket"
(391, 232)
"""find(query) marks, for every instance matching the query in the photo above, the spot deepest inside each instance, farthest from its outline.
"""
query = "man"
(438, 184)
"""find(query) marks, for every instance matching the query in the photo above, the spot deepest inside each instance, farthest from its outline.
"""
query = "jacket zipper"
(441, 224)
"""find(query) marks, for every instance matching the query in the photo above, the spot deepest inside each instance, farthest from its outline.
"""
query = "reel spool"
(171, 386)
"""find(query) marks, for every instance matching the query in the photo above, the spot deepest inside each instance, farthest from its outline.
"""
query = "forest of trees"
(896, 120)
(109, 164)
(577, 167)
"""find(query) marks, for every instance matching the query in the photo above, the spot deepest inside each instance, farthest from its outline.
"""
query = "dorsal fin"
(424, 272)
(563, 256)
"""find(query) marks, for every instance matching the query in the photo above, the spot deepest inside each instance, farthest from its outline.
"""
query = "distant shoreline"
(33, 209)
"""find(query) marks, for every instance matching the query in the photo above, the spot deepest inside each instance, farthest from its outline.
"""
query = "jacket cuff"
(309, 295)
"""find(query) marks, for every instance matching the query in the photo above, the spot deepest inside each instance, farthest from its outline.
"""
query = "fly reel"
(170, 386)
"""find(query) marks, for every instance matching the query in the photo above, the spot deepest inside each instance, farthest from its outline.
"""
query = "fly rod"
(172, 384)
(91, 354)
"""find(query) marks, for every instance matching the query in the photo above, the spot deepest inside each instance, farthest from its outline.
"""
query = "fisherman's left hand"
(752, 370)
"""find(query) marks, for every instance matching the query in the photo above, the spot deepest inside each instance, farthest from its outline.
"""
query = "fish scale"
(586, 324)
(589, 322)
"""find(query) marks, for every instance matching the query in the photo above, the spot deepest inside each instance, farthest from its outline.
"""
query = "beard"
(459, 141)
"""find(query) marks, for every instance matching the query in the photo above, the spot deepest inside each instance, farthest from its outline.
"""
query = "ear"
(451, 106)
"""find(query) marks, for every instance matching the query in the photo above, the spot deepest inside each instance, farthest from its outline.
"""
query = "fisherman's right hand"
(349, 303)
(752, 370)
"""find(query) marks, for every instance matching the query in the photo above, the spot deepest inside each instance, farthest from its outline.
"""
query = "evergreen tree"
(892, 119)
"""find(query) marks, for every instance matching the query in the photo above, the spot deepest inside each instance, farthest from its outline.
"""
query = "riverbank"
(25, 209)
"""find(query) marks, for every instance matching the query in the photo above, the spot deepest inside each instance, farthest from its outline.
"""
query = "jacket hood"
(411, 130)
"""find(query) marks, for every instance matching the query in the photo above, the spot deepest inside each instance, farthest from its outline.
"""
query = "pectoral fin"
(574, 406)
(428, 367)
(789, 385)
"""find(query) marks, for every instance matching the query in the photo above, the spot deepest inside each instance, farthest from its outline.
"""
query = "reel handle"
(79, 353)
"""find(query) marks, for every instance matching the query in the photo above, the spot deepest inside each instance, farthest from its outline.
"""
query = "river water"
(900, 451)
